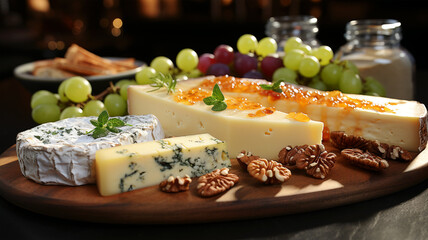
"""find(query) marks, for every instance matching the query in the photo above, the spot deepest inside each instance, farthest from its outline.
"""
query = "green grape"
(93, 108)
(115, 105)
(318, 84)
(194, 73)
(373, 86)
(324, 54)
(284, 74)
(351, 65)
(187, 60)
(292, 59)
(70, 112)
(46, 112)
(305, 48)
(122, 82)
(247, 43)
(43, 98)
(350, 82)
(162, 64)
(124, 90)
(38, 93)
(145, 76)
(292, 43)
(61, 91)
(77, 89)
(266, 46)
(292, 81)
(331, 74)
(309, 66)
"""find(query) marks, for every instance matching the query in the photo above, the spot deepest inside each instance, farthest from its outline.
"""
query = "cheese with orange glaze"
(244, 125)
(392, 121)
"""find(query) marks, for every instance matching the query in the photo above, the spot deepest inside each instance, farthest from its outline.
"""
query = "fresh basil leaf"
(266, 87)
(113, 129)
(210, 100)
(217, 94)
(219, 106)
(115, 122)
(103, 118)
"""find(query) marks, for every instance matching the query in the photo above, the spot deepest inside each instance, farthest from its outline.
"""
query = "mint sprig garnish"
(216, 99)
(103, 125)
(161, 80)
(276, 86)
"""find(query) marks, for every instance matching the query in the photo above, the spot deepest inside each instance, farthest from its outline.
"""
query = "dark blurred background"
(40, 29)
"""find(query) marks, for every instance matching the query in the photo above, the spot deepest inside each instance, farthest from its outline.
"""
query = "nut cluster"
(175, 184)
(216, 182)
(365, 159)
(268, 171)
(341, 140)
(314, 159)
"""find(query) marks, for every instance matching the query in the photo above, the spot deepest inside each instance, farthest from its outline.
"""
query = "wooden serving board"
(248, 199)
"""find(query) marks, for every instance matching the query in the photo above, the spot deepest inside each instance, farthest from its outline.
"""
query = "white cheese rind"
(61, 153)
(126, 168)
(264, 136)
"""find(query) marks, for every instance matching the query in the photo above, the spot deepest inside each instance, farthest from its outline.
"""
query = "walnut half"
(313, 158)
(365, 159)
(175, 184)
(268, 172)
(216, 182)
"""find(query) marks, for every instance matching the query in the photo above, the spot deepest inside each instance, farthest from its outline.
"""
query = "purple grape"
(218, 69)
(253, 74)
(223, 54)
(269, 65)
(205, 62)
(245, 63)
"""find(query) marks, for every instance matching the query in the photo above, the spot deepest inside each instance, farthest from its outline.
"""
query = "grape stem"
(110, 89)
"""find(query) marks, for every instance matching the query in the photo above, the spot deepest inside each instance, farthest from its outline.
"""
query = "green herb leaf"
(219, 106)
(216, 99)
(161, 80)
(115, 122)
(276, 86)
(210, 100)
(99, 132)
(104, 125)
(103, 117)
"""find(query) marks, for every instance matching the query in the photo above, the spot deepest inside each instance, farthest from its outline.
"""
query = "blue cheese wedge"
(126, 168)
(61, 153)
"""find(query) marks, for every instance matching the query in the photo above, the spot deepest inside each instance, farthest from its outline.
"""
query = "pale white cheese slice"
(126, 168)
(404, 125)
(264, 135)
(61, 153)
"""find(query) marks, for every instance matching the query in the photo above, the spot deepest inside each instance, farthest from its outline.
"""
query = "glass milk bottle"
(374, 47)
(284, 27)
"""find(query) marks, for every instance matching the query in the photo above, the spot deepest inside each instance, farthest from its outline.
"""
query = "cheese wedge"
(244, 125)
(126, 168)
(395, 122)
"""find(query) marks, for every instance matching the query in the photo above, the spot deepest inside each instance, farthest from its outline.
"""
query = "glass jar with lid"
(374, 47)
(284, 27)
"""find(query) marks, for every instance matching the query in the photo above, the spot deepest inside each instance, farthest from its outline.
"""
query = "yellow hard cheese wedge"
(126, 168)
(392, 121)
(244, 125)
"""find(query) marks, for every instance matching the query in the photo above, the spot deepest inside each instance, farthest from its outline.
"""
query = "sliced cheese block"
(392, 121)
(243, 126)
(125, 168)
(61, 153)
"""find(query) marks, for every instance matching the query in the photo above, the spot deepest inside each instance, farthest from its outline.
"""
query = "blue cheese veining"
(61, 153)
(126, 168)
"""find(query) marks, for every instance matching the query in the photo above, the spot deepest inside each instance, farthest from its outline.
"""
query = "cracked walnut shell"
(175, 184)
(365, 159)
(268, 172)
(216, 182)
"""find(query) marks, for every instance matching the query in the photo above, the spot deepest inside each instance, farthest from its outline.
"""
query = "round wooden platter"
(248, 199)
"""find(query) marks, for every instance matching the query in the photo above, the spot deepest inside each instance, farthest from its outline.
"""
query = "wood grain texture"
(248, 199)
